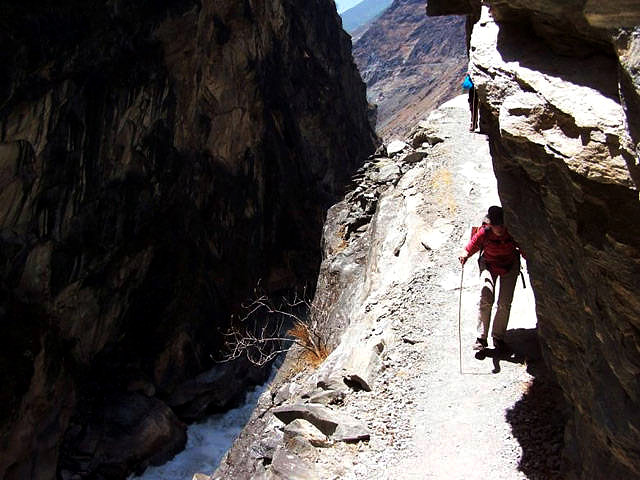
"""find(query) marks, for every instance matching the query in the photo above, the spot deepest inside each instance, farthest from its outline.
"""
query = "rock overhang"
(559, 95)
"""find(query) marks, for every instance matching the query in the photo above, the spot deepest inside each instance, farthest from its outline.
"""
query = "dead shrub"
(266, 331)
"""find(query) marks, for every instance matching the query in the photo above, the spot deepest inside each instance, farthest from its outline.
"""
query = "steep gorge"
(156, 161)
(143, 193)
(559, 95)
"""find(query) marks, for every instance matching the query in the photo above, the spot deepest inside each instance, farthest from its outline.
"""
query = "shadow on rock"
(520, 42)
(523, 348)
(538, 419)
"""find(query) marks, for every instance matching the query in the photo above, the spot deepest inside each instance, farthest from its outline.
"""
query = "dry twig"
(265, 331)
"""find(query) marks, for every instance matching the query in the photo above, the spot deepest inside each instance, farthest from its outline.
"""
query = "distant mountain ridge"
(362, 13)
(411, 63)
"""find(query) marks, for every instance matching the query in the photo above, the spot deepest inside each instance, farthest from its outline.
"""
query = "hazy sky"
(346, 4)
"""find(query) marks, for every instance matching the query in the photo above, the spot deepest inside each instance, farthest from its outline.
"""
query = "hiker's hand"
(463, 258)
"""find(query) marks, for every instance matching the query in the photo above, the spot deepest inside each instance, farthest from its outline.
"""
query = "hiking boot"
(500, 345)
(481, 344)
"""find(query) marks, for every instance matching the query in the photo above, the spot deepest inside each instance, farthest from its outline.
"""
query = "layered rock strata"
(156, 161)
(558, 88)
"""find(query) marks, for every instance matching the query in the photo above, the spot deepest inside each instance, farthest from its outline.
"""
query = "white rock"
(302, 428)
(396, 146)
(437, 237)
(388, 173)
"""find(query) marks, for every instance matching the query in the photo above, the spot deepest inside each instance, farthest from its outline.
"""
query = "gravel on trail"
(501, 418)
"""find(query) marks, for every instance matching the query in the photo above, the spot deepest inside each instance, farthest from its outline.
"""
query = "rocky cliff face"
(411, 64)
(559, 95)
(155, 162)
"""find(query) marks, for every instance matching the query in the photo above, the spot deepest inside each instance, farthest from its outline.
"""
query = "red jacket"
(499, 252)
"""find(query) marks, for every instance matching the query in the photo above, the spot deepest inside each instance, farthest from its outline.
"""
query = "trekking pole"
(460, 320)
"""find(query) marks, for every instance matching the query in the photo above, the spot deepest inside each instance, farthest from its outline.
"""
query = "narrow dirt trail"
(459, 428)
(428, 420)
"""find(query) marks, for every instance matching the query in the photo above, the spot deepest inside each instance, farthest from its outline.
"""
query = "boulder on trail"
(396, 146)
(331, 423)
(306, 430)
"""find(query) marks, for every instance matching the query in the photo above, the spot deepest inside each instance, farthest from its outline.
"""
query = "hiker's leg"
(505, 296)
(474, 110)
(487, 286)
(472, 99)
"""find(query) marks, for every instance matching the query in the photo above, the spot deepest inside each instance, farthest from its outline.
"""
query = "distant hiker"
(499, 258)
(468, 84)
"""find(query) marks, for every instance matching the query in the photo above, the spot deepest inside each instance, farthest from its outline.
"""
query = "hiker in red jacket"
(499, 258)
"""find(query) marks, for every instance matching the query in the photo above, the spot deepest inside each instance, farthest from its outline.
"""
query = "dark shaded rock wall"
(156, 160)
(558, 88)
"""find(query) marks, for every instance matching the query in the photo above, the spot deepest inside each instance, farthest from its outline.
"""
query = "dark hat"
(495, 215)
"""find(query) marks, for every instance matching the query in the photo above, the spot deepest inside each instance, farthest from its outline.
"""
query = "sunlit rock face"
(558, 87)
(156, 160)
